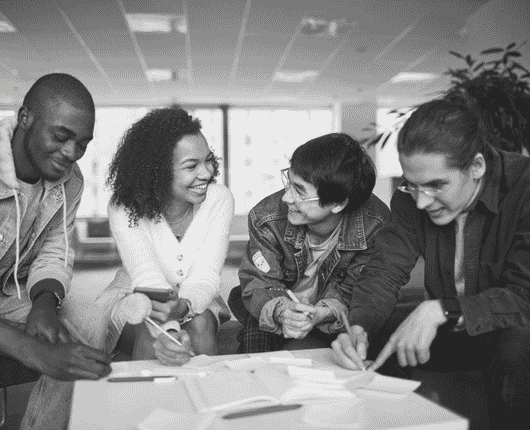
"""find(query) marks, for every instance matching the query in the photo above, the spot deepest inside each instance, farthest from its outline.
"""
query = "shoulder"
(269, 209)
(374, 207)
(217, 197)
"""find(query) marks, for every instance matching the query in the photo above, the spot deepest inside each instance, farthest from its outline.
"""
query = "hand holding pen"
(350, 348)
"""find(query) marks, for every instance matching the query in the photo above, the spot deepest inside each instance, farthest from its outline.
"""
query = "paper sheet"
(161, 419)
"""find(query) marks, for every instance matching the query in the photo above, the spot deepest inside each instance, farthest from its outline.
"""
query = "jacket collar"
(8, 177)
(351, 237)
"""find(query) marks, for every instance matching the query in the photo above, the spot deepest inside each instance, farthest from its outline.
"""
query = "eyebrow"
(67, 131)
(432, 181)
(195, 160)
(300, 187)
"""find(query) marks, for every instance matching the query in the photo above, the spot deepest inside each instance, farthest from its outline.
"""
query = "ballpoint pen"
(295, 299)
(356, 357)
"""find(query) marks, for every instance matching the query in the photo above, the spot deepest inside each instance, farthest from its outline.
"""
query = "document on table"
(161, 419)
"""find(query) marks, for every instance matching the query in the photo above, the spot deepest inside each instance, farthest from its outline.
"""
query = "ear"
(478, 167)
(337, 208)
(25, 118)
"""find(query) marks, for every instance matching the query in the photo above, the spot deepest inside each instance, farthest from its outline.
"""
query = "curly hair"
(140, 175)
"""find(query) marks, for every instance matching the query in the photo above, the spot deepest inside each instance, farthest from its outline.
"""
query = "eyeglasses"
(288, 186)
(415, 190)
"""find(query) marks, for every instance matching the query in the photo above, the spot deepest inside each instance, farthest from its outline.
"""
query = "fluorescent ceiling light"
(412, 77)
(295, 75)
(6, 26)
(158, 75)
(156, 23)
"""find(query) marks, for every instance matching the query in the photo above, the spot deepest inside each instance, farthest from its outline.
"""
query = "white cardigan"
(153, 257)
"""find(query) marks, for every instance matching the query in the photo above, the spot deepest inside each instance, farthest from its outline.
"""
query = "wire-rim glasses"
(289, 187)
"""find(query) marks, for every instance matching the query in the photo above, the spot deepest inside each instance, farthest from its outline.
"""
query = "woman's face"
(192, 169)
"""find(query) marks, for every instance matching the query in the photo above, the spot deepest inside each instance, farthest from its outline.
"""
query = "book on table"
(267, 385)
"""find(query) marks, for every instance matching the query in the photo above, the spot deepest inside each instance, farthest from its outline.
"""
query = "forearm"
(16, 344)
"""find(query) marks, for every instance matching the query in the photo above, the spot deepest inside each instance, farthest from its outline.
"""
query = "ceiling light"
(159, 75)
(6, 26)
(156, 23)
(412, 77)
(323, 27)
(295, 75)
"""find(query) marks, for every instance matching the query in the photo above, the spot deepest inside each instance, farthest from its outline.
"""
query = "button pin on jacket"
(180, 272)
(179, 257)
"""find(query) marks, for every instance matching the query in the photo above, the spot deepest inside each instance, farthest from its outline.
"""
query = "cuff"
(52, 285)
(266, 318)
(336, 308)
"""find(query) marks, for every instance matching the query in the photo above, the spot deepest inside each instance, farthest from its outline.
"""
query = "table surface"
(121, 406)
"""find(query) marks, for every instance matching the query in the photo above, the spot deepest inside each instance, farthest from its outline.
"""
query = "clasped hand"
(298, 319)
(173, 309)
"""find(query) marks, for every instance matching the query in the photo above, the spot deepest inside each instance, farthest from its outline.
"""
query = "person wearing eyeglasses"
(464, 206)
(307, 245)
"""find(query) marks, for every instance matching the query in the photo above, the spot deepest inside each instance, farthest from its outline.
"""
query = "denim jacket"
(275, 259)
(45, 253)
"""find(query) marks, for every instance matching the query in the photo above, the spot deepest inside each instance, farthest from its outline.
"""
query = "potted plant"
(500, 90)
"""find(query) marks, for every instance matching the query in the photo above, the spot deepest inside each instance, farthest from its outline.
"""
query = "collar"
(351, 237)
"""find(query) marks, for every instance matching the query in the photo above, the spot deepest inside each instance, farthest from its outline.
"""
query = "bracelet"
(56, 295)
(189, 315)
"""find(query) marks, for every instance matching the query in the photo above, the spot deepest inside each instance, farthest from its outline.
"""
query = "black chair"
(13, 373)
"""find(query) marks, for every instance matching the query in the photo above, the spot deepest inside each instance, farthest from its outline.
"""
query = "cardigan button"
(180, 273)
(180, 257)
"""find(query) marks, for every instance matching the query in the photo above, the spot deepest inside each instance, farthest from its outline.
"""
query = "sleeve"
(396, 249)
(49, 262)
(203, 284)
(508, 303)
(136, 249)
(260, 272)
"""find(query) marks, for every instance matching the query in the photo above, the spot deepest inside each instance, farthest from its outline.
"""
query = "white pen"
(295, 299)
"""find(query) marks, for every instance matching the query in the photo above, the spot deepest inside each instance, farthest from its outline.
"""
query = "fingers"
(361, 341)
(89, 353)
(171, 354)
(385, 353)
(343, 351)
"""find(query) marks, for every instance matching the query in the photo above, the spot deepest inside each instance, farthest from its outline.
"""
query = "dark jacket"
(281, 246)
(497, 273)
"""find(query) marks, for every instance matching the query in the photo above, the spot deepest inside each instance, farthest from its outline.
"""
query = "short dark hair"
(338, 167)
(449, 126)
(58, 86)
(141, 172)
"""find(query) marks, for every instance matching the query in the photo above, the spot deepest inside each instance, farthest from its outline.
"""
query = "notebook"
(270, 384)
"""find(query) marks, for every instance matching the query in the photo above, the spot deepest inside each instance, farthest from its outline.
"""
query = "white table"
(121, 406)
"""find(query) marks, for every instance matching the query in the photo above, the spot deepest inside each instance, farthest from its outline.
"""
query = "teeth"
(200, 187)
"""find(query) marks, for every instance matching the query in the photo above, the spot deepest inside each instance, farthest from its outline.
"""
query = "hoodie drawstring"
(17, 238)
(64, 227)
(17, 242)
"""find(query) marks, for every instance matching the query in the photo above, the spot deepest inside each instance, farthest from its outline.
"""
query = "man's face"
(56, 138)
(455, 187)
(303, 212)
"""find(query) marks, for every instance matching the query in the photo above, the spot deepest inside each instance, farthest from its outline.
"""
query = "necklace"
(182, 218)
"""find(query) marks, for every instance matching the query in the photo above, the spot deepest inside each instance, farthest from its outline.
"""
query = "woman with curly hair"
(171, 223)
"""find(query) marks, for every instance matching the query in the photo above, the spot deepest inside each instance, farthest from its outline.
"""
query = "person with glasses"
(308, 244)
(464, 206)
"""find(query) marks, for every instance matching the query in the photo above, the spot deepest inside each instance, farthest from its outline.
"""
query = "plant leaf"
(513, 54)
(385, 140)
(510, 46)
(456, 54)
(491, 51)
(478, 66)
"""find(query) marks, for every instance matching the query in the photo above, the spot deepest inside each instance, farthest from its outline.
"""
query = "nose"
(422, 201)
(69, 151)
(287, 196)
(206, 172)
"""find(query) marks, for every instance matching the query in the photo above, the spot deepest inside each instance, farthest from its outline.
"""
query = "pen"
(295, 299)
(358, 359)
(161, 378)
(261, 410)
(150, 321)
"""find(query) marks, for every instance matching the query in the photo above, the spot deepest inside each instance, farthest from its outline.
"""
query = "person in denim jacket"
(40, 190)
(313, 238)
(464, 206)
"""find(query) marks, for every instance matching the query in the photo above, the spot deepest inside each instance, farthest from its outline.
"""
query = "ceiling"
(234, 48)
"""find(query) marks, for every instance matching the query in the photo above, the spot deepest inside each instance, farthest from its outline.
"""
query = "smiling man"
(463, 206)
(40, 191)
(311, 240)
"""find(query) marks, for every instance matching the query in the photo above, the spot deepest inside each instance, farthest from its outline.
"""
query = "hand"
(347, 350)
(297, 319)
(69, 361)
(169, 353)
(413, 338)
(164, 311)
(44, 323)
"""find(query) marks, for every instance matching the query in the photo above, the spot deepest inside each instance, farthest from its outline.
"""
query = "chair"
(13, 373)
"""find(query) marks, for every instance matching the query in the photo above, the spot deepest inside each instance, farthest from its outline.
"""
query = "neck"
(321, 231)
(23, 168)
(177, 210)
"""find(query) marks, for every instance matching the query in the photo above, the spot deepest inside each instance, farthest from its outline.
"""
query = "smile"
(200, 187)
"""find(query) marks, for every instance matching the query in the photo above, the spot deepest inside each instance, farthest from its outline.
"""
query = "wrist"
(47, 299)
(451, 310)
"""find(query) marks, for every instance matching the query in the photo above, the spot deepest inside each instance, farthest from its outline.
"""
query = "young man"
(465, 207)
(40, 191)
(312, 239)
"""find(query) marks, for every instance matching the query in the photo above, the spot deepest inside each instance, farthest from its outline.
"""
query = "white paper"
(161, 419)
(245, 363)
(307, 362)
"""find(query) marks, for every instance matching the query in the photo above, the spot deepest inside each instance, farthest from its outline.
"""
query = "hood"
(7, 165)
